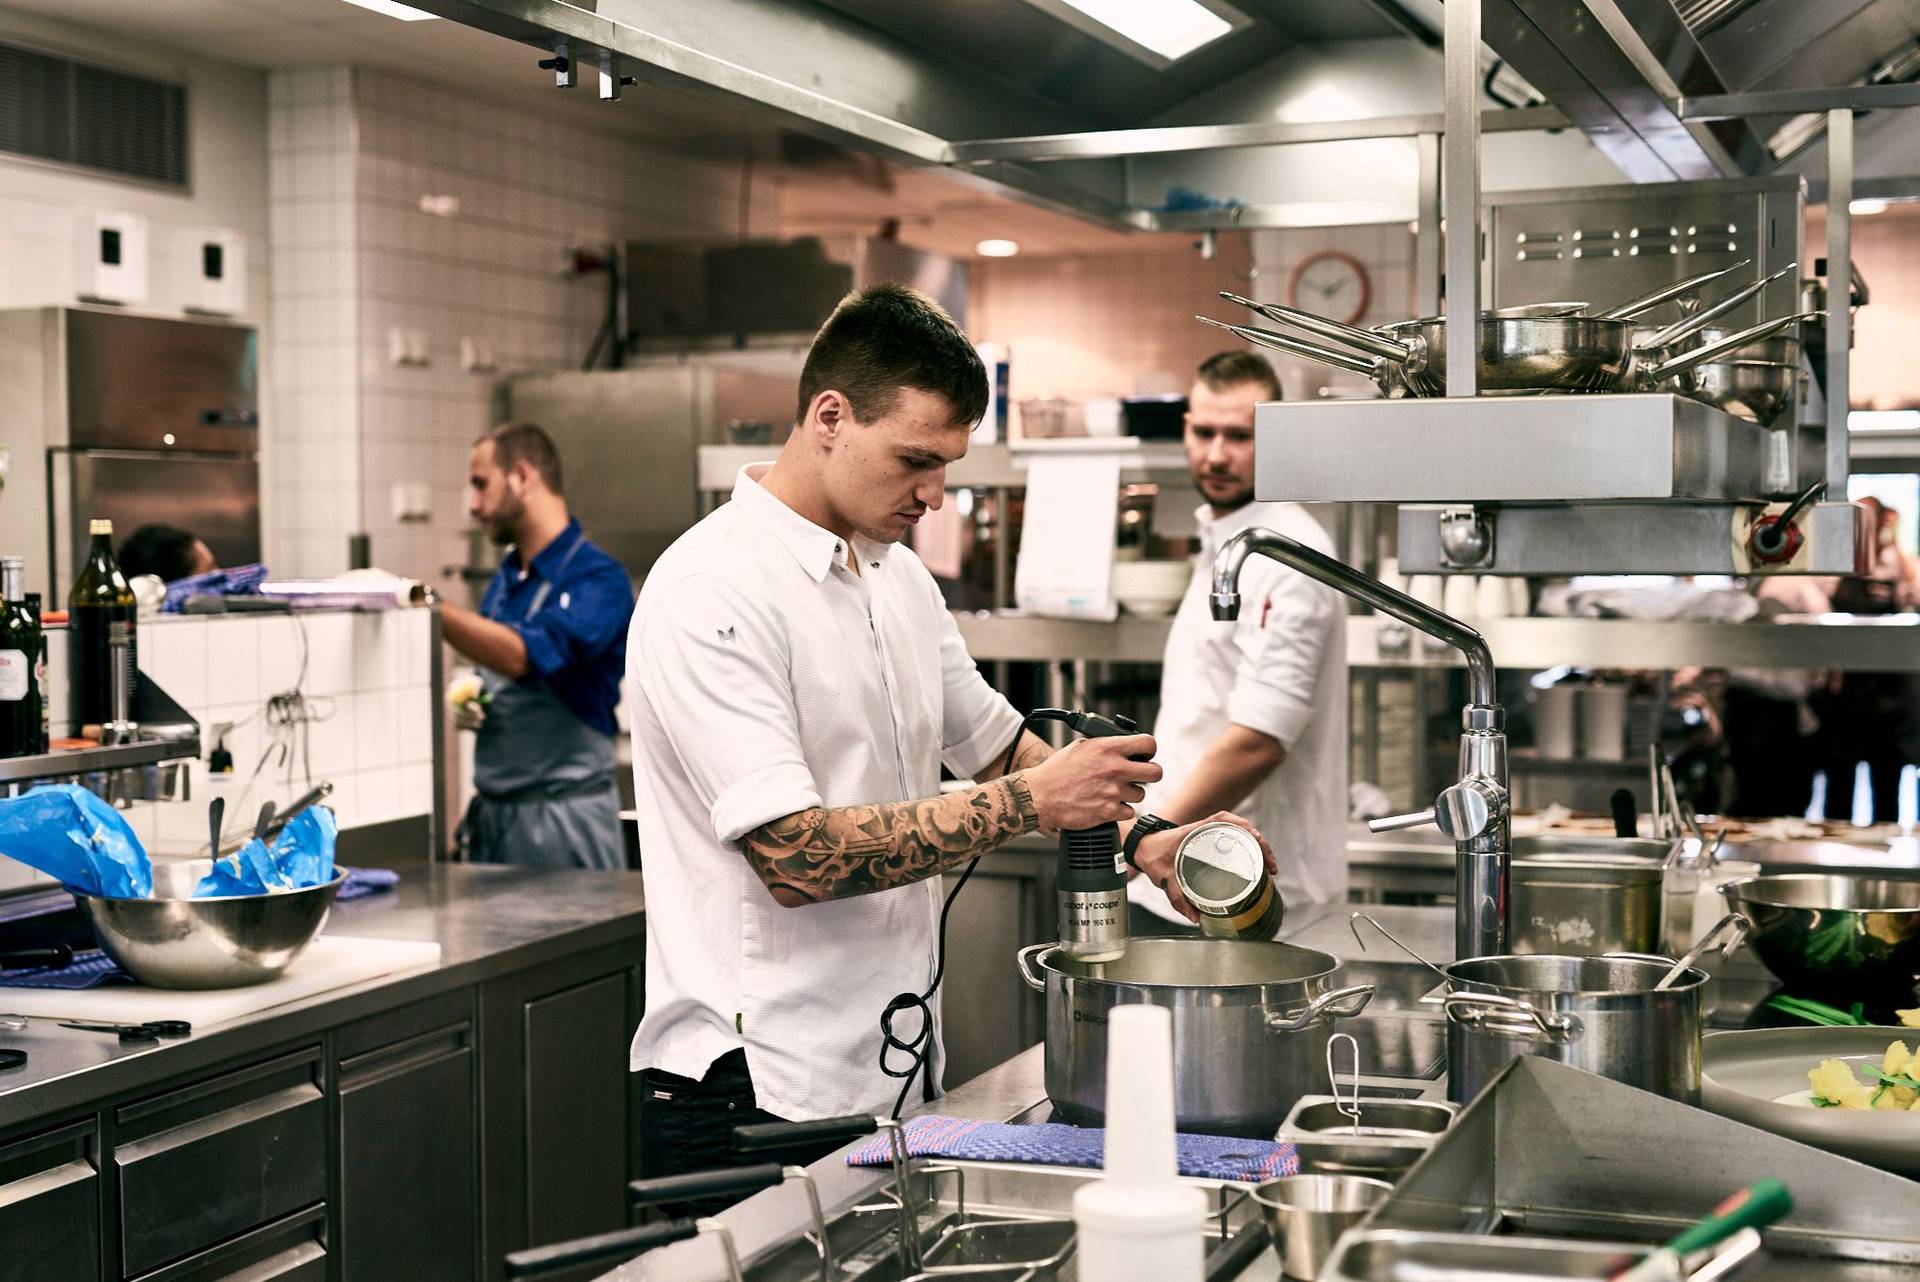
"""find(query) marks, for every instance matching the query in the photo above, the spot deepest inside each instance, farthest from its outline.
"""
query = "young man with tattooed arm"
(799, 682)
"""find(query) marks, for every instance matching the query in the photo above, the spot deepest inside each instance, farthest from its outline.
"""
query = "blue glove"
(67, 832)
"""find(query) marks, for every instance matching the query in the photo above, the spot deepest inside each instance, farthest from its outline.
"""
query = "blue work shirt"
(577, 642)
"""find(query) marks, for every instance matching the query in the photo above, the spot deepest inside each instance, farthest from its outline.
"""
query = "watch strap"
(1144, 826)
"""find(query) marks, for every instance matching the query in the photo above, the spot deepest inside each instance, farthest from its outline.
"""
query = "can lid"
(100, 525)
(1217, 866)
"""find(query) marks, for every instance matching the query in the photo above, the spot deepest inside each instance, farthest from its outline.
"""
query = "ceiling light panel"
(1156, 32)
(394, 9)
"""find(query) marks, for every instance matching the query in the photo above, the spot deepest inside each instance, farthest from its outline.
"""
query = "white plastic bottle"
(1140, 1223)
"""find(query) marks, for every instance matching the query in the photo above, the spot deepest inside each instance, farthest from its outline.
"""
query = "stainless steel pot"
(1586, 904)
(1250, 1025)
(1758, 391)
(1600, 1014)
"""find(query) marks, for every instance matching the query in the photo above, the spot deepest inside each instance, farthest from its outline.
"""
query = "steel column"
(1426, 229)
(1839, 294)
(1462, 178)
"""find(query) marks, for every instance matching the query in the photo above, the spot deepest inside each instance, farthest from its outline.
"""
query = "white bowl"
(1151, 578)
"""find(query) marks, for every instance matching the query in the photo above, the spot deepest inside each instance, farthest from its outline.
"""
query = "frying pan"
(1525, 353)
(1583, 361)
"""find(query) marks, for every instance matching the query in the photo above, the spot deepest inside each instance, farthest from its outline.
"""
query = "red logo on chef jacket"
(1266, 608)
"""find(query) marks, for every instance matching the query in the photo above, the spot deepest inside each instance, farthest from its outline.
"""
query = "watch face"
(1333, 285)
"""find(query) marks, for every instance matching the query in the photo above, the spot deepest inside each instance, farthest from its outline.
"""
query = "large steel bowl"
(173, 940)
(1834, 935)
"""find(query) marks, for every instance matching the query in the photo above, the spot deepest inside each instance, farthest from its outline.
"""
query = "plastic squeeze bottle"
(1140, 1223)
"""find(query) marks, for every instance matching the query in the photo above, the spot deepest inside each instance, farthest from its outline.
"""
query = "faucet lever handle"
(1467, 809)
(1394, 823)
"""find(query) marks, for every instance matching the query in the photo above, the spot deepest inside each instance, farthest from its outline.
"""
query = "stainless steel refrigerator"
(130, 416)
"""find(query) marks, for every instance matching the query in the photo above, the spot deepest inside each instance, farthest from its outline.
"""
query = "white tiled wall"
(312, 480)
(356, 154)
(367, 688)
(370, 706)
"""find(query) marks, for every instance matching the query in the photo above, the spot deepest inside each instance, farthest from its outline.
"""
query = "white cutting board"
(329, 962)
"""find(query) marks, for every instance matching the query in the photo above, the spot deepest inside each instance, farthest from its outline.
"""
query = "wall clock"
(1331, 284)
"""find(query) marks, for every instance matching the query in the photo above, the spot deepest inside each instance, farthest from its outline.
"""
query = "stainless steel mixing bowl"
(176, 941)
(1831, 934)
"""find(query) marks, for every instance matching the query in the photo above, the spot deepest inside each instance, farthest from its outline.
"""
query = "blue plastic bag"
(304, 849)
(67, 832)
(247, 871)
(301, 856)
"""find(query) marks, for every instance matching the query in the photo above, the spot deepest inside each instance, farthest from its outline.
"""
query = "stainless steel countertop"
(998, 1095)
(487, 920)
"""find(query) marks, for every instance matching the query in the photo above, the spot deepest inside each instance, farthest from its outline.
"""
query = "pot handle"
(1024, 960)
(1494, 1013)
(1341, 1003)
(1732, 342)
(1667, 293)
(1332, 330)
(1707, 315)
(1294, 347)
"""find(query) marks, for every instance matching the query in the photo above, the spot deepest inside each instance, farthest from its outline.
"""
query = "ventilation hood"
(1307, 111)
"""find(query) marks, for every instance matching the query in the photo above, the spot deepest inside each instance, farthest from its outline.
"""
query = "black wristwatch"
(1144, 826)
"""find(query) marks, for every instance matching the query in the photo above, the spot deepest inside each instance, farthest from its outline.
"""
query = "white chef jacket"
(770, 678)
(1281, 669)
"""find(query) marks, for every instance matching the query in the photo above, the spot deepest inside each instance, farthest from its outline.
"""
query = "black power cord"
(919, 1048)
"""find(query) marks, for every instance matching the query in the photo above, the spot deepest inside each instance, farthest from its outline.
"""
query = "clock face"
(1332, 284)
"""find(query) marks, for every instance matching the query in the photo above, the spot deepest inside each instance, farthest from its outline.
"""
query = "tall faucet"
(1474, 811)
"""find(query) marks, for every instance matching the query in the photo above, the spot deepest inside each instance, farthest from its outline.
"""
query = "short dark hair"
(889, 337)
(1230, 369)
(165, 551)
(529, 443)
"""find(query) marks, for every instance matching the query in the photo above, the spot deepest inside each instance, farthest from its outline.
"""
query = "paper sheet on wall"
(1066, 540)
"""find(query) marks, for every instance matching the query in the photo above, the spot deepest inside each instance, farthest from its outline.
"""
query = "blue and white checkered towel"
(1211, 1157)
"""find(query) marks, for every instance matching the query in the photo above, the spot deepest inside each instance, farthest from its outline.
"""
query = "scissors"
(132, 1034)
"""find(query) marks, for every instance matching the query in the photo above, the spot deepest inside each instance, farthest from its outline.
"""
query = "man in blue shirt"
(550, 640)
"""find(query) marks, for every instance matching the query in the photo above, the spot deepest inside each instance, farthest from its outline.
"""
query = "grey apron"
(543, 778)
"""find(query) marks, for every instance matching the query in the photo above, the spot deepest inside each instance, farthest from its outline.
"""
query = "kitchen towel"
(88, 969)
(1207, 1157)
(366, 881)
(1065, 570)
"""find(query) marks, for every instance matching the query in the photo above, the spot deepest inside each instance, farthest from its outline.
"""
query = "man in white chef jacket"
(799, 682)
(1253, 713)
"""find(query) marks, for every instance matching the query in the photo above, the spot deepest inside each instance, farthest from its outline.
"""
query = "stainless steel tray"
(1551, 1152)
(977, 1222)
(1390, 1137)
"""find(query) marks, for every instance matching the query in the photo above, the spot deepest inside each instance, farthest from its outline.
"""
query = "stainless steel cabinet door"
(213, 496)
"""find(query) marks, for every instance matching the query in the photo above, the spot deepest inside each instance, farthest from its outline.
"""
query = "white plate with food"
(1854, 1091)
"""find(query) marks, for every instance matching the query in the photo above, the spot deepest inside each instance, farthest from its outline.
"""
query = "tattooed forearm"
(1032, 751)
(819, 854)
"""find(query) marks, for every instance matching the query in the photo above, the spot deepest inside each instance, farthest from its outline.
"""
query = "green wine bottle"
(100, 604)
(22, 696)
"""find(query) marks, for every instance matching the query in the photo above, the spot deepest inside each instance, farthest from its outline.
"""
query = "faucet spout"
(1474, 811)
(1233, 556)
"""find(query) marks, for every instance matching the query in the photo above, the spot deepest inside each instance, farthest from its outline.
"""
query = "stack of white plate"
(1151, 588)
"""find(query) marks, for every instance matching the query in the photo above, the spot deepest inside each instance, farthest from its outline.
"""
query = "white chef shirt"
(1280, 669)
(771, 678)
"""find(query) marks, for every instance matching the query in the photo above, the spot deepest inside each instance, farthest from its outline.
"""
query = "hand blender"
(1092, 881)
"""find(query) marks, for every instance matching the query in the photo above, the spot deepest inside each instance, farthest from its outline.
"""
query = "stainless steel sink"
(986, 1221)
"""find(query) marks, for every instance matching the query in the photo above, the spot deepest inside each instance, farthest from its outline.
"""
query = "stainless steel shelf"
(1506, 449)
(1890, 644)
(984, 467)
(80, 761)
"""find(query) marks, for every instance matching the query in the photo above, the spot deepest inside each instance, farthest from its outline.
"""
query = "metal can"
(1220, 869)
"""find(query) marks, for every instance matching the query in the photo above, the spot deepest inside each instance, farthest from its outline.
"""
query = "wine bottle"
(100, 603)
(21, 698)
(44, 742)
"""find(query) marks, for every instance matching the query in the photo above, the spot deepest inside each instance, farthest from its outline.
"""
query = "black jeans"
(687, 1126)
